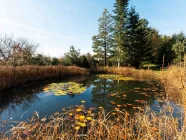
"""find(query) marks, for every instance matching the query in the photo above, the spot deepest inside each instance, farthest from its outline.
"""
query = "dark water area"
(20, 103)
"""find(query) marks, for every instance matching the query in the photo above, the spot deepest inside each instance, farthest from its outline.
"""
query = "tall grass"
(114, 125)
(10, 76)
(128, 71)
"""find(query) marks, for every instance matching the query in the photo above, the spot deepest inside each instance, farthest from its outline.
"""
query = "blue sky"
(58, 24)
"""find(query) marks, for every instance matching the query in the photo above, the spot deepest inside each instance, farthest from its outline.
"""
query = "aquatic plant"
(70, 88)
(115, 77)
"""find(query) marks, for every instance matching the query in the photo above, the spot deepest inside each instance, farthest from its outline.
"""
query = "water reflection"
(20, 103)
(127, 94)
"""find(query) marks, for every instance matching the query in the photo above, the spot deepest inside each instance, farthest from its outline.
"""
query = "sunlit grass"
(10, 76)
(87, 123)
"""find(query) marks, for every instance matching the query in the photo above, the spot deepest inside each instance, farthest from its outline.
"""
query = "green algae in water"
(115, 77)
(62, 89)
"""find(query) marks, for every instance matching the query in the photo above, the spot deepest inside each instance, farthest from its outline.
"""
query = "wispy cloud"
(2, 20)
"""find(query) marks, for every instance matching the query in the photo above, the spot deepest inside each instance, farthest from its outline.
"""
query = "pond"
(107, 91)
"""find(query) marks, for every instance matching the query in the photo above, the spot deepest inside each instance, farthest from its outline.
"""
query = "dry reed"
(111, 125)
(10, 76)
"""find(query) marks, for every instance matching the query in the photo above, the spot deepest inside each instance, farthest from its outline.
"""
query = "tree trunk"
(105, 53)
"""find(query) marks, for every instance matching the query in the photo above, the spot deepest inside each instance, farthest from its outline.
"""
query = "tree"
(102, 42)
(72, 57)
(92, 62)
(165, 53)
(55, 61)
(179, 46)
(154, 42)
(120, 18)
(179, 49)
(16, 52)
(6, 44)
(136, 41)
(27, 49)
(84, 62)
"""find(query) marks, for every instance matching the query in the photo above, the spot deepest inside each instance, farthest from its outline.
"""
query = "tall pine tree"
(120, 18)
(137, 39)
(102, 42)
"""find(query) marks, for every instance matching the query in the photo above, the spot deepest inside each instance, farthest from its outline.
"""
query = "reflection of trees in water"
(27, 102)
(101, 93)
(24, 101)
(26, 95)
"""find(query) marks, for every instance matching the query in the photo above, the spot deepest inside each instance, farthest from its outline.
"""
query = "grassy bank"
(139, 74)
(80, 123)
(10, 76)
(174, 79)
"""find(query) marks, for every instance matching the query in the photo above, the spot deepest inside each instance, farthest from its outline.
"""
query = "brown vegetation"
(128, 71)
(10, 76)
(80, 123)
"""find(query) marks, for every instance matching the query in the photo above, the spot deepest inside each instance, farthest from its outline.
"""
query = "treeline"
(126, 39)
(20, 52)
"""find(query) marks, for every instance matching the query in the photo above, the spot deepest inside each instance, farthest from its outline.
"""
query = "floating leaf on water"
(89, 111)
(115, 77)
(78, 109)
(89, 118)
(116, 109)
(70, 114)
(124, 95)
(65, 88)
(129, 104)
(82, 124)
(112, 102)
(83, 101)
(118, 105)
(81, 117)
(77, 117)
(77, 127)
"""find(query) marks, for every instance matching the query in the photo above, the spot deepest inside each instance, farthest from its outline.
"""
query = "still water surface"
(19, 104)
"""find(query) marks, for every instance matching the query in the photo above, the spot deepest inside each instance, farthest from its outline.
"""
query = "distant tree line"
(126, 39)
(19, 52)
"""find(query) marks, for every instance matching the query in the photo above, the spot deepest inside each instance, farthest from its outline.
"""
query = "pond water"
(108, 92)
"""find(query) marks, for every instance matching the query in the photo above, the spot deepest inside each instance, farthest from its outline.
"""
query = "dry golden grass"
(114, 125)
(129, 72)
(11, 77)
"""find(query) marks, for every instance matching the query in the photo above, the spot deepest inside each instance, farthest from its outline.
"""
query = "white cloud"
(2, 20)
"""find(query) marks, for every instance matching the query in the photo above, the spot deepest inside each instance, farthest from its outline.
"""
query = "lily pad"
(115, 77)
(61, 89)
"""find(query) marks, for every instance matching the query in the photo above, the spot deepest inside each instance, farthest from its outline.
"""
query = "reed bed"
(129, 72)
(114, 125)
(10, 76)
